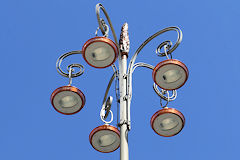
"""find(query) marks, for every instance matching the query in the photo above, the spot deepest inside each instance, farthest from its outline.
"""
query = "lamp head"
(167, 122)
(105, 138)
(100, 52)
(170, 74)
(67, 100)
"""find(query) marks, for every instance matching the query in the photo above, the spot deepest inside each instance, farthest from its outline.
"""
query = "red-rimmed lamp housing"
(67, 100)
(105, 138)
(170, 74)
(167, 122)
(100, 52)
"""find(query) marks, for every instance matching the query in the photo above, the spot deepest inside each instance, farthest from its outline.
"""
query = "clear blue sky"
(34, 33)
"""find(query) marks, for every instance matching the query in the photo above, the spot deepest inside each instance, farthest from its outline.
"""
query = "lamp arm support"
(161, 94)
(142, 64)
(64, 74)
(109, 85)
(155, 87)
(129, 86)
(98, 7)
(179, 39)
(133, 59)
(106, 92)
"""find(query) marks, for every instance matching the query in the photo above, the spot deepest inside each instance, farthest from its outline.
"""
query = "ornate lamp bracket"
(70, 68)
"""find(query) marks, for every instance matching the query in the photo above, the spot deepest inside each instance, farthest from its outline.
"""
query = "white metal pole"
(124, 49)
(124, 155)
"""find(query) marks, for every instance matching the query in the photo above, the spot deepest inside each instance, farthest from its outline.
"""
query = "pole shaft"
(124, 155)
(124, 45)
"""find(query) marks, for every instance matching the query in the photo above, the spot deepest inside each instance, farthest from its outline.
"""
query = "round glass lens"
(107, 140)
(68, 101)
(100, 54)
(168, 123)
(171, 76)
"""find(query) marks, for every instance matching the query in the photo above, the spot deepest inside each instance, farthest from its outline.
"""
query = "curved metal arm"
(162, 92)
(69, 67)
(170, 50)
(166, 45)
(155, 87)
(179, 39)
(106, 93)
(129, 87)
(103, 117)
(98, 7)
(108, 87)
(105, 26)
(106, 108)
(141, 64)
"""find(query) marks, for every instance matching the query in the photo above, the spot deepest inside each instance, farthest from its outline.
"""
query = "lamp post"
(101, 52)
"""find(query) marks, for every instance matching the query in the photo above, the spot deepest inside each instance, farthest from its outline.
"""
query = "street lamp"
(102, 52)
(68, 100)
(105, 138)
(170, 74)
(167, 122)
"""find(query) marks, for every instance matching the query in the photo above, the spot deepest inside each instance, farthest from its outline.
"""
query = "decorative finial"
(124, 42)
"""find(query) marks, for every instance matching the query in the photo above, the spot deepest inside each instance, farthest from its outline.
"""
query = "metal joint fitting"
(125, 98)
(124, 122)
